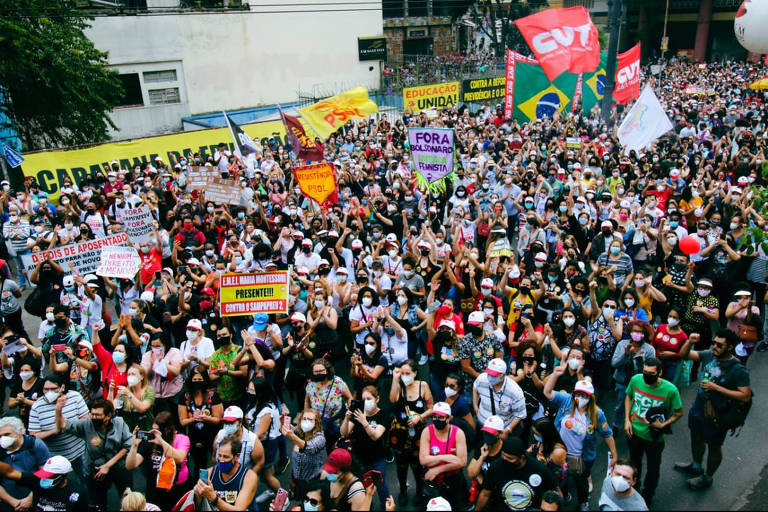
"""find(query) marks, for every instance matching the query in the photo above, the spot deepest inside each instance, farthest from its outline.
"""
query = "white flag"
(645, 122)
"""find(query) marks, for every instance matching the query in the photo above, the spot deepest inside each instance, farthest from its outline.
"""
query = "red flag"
(304, 147)
(562, 40)
(627, 76)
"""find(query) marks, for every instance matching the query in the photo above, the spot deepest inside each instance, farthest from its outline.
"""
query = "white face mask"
(486, 291)
(367, 301)
(582, 401)
(402, 300)
(7, 441)
(49, 316)
(369, 405)
(449, 392)
(230, 428)
(407, 380)
(51, 396)
(629, 302)
(370, 349)
(574, 364)
(319, 303)
(569, 321)
(392, 254)
(132, 380)
(26, 375)
(673, 321)
(487, 311)
(307, 425)
(619, 483)
(191, 334)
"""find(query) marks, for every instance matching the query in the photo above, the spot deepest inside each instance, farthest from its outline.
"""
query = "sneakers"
(689, 468)
(423, 360)
(700, 482)
(265, 496)
(281, 466)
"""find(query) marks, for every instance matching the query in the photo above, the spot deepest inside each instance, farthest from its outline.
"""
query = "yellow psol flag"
(330, 114)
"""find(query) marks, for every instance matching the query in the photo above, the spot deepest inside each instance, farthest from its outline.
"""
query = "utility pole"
(614, 13)
(664, 42)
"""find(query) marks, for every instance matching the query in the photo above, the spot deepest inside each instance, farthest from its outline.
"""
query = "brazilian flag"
(594, 85)
(536, 97)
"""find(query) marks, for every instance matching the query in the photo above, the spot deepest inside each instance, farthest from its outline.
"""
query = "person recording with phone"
(228, 485)
(365, 426)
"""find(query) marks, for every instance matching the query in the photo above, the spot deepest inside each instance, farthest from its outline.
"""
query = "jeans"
(383, 489)
(20, 268)
(119, 476)
(618, 413)
(652, 450)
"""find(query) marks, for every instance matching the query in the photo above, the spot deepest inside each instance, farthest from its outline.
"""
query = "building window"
(393, 8)
(417, 8)
(164, 96)
(153, 77)
(132, 96)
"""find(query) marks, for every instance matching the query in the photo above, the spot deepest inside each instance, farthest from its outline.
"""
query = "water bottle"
(411, 430)
(119, 403)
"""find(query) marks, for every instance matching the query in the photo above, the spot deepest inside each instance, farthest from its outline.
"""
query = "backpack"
(733, 415)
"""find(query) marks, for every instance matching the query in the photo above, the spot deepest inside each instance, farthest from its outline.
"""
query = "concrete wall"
(235, 59)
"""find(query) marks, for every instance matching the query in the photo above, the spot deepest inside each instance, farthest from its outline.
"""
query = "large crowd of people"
(468, 341)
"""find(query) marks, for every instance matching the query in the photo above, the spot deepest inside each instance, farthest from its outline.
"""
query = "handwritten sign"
(139, 224)
(198, 176)
(432, 150)
(222, 191)
(118, 261)
(317, 181)
(84, 255)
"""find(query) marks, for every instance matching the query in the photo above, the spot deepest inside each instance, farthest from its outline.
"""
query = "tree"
(496, 20)
(59, 90)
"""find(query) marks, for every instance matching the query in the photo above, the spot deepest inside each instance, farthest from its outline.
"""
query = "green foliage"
(506, 12)
(59, 89)
(755, 236)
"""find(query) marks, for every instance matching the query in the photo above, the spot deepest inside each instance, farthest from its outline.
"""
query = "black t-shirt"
(33, 393)
(517, 489)
(366, 449)
(69, 497)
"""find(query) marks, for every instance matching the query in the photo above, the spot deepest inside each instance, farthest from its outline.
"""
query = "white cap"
(584, 386)
(493, 425)
(514, 272)
(68, 281)
(232, 413)
(496, 367)
(193, 261)
(476, 318)
(298, 316)
(147, 296)
(441, 408)
(56, 465)
(606, 224)
(540, 256)
(90, 277)
(447, 323)
(487, 282)
(85, 343)
(357, 243)
(195, 324)
(438, 503)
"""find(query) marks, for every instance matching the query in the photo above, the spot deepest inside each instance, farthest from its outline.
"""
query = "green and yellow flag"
(532, 95)
(594, 85)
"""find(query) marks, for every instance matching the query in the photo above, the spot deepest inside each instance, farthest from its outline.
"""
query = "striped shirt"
(42, 417)
(623, 266)
(508, 404)
(17, 234)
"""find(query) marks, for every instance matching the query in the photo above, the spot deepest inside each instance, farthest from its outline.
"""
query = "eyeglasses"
(719, 344)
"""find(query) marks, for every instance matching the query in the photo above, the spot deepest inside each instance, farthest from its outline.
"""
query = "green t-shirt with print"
(227, 386)
(644, 397)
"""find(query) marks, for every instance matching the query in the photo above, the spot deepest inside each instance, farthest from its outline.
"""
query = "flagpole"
(614, 13)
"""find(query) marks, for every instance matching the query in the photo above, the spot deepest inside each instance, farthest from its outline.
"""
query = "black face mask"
(490, 439)
(98, 423)
(319, 377)
(440, 424)
(524, 290)
(476, 330)
(223, 341)
(61, 323)
(650, 379)
(197, 385)
(607, 233)
(424, 252)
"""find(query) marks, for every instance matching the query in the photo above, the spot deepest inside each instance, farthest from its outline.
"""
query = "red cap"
(339, 459)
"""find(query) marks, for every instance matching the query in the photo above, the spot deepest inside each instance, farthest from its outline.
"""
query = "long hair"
(591, 410)
(306, 436)
(549, 434)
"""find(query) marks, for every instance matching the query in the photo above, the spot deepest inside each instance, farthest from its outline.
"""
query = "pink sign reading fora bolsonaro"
(432, 150)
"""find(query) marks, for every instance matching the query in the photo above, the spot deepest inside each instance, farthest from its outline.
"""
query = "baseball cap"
(705, 281)
(540, 256)
(232, 413)
(68, 281)
(146, 296)
(493, 425)
(193, 261)
(168, 271)
(208, 291)
(194, 324)
(496, 367)
(438, 504)
(423, 243)
(584, 386)
(86, 344)
(441, 408)
(513, 446)
(745, 293)
(357, 244)
(476, 318)
(514, 272)
(339, 459)
(487, 282)
(606, 224)
(56, 465)
(447, 323)
(577, 165)
(298, 317)
(260, 321)
(307, 241)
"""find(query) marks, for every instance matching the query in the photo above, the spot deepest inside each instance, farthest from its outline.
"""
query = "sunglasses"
(529, 359)
(719, 344)
(312, 501)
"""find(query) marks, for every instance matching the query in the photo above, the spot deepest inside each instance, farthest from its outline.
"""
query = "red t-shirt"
(664, 341)
(150, 263)
(109, 370)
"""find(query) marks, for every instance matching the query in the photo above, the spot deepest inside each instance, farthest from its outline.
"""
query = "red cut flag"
(562, 40)
(627, 76)
(304, 147)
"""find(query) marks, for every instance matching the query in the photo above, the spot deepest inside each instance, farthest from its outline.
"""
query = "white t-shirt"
(203, 349)
(361, 315)
(395, 347)
(311, 260)
(274, 427)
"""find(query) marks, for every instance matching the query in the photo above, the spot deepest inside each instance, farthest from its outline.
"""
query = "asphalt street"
(741, 483)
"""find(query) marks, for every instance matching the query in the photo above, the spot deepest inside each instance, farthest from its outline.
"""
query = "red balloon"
(689, 245)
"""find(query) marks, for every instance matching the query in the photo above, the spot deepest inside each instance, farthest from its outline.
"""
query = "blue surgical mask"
(332, 477)
(46, 483)
(240, 215)
(493, 381)
(552, 278)
(309, 507)
(118, 357)
(615, 250)
(225, 467)
(673, 224)
(537, 437)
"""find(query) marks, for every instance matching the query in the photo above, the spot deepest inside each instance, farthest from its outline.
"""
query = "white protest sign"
(118, 261)
(84, 255)
(138, 223)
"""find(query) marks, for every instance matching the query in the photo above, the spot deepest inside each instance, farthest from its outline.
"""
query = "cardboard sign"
(317, 181)
(199, 176)
(573, 142)
(432, 150)
(139, 224)
(248, 294)
(119, 262)
(84, 255)
(222, 191)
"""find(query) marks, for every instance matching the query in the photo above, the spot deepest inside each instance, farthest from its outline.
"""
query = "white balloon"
(750, 25)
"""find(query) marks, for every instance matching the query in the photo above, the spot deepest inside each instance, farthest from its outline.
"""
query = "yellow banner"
(423, 97)
(51, 167)
(248, 294)
(330, 114)
(317, 181)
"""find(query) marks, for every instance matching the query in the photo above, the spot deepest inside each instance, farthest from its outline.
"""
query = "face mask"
(230, 428)
(582, 401)
(6, 442)
(673, 321)
(574, 364)
(476, 330)
(619, 483)
(494, 381)
(439, 423)
(309, 507)
(704, 292)
(191, 334)
(392, 253)
(367, 301)
(370, 349)
(650, 378)
(629, 302)
(319, 377)
(615, 250)
(51, 396)
(608, 312)
(38, 229)
(583, 221)
(332, 477)
(489, 439)
(319, 303)
(118, 357)
(402, 300)
(47, 483)
(369, 405)
(132, 380)
(449, 392)
(307, 425)
(639, 283)
(734, 226)
(407, 380)
(408, 274)
(225, 467)
(569, 321)
(132, 312)
(636, 336)
(49, 316)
